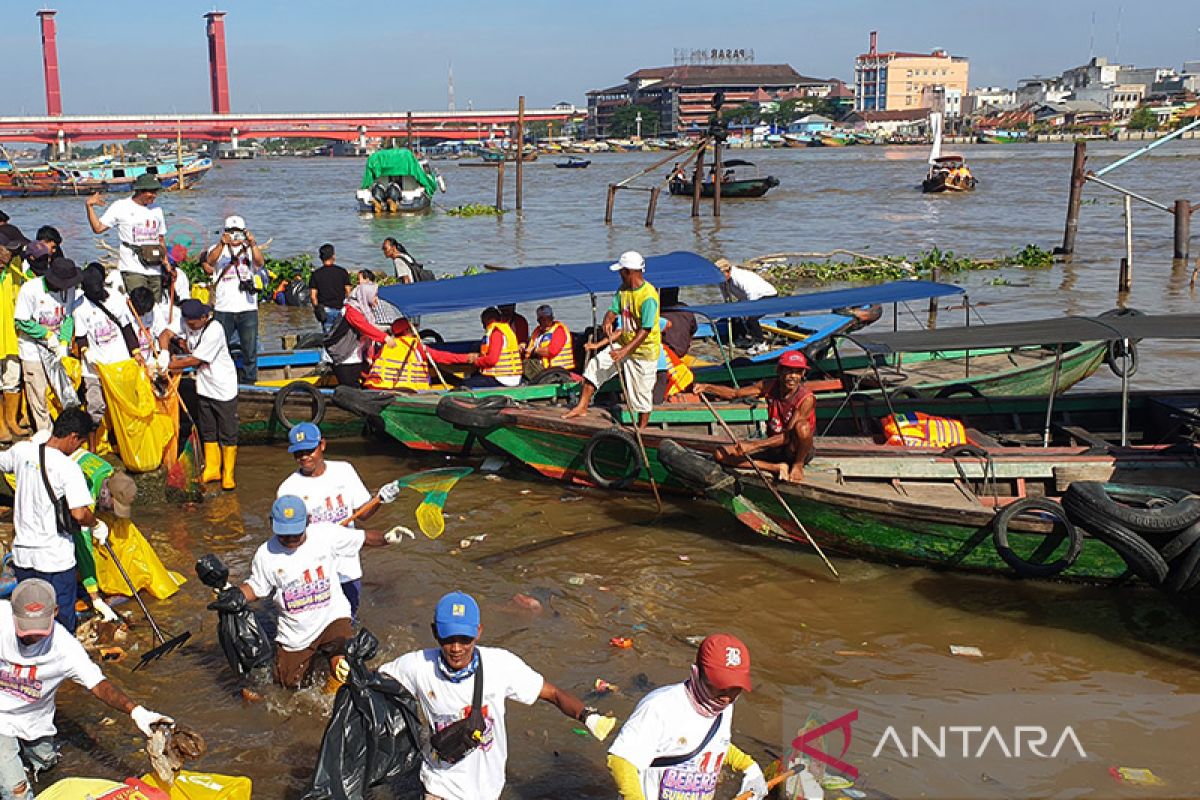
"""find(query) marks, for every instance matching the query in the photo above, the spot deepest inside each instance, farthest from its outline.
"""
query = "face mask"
(706, 704)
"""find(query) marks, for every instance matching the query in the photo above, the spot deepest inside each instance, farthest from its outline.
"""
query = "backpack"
(419, 273)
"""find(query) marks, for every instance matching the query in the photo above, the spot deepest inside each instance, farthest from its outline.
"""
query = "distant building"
(680, 97)
(988, 99)
(1041, 90)
(910, 122)
(897, 81)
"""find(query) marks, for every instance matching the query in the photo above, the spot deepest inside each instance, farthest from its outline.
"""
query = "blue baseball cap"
(289, 516)
(457, 615)
(304, 436)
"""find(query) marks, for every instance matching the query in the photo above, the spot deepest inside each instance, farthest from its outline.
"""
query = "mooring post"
(520, 146)
(608, 206)
(500, 185)
(1078, 178)
(935, 276)
(1125, 280)
(697, 178)
(408, 130)
(717, 179)
(1183, 228)
(653, 205)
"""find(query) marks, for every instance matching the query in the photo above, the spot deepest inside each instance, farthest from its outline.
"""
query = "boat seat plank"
(884, 468)
(982, 439)
(1081, 434)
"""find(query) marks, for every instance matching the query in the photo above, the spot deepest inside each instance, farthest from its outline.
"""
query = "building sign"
(688, 56)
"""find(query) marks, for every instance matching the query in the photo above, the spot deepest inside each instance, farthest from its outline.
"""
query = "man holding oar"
(677, 739)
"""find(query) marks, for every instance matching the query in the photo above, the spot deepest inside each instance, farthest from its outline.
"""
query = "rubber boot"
(212, 462)
(229, 459)
(12, 415)
(5, 436)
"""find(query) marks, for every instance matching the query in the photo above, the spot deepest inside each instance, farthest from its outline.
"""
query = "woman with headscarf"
(355, 340)
(104, 334)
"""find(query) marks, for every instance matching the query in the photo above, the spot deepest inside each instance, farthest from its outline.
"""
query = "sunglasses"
(300, 455)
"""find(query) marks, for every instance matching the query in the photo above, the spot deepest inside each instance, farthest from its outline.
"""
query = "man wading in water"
(791, 420)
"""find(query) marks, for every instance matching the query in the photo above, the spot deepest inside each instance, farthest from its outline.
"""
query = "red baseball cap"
(724, 661)
(793, 359)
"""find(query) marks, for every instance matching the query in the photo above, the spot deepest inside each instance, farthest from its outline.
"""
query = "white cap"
(630, 259)
(235, 222)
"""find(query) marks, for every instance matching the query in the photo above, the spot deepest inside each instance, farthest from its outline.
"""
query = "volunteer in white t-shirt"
(141, 228)
(236, 264)
(104, 333)
(442, 679)
(678, 737)
(742, 286)
(36, 655)
(333, 493)
(45, 329)
(43, 525)
(216, 390)
(400, 260)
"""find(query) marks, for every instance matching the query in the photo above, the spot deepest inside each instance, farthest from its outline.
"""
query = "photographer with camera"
(236, 264)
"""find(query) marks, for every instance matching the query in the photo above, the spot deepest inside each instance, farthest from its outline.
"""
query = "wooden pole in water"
(653, 205)
(717, 178)
(697, 177)
(408, 130)
(179, 159)
(1183, 228)
(931, 323)
(520, 146)
(1078, 178)
(1125, 281)
(500, 185)
(608, 206)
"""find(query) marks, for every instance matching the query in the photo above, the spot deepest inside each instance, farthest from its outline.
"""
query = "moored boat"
(948, 173)
(74, 178)
(573, 162)
(396, 181)
(734, 183)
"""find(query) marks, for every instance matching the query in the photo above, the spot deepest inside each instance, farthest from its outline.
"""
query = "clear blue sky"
(299, 55)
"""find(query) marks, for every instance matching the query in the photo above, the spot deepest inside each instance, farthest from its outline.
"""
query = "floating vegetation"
(474, 210)
(844, 265)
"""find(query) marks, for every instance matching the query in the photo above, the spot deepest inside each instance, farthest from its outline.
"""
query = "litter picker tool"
(165, 645)
(771, 784)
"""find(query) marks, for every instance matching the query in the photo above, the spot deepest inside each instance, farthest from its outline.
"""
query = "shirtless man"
(791, 421)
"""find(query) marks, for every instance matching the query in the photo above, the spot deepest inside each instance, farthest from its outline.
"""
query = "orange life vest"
(509, 364)
(400, 366)
(565, 357)
(679, 375)
(923, 430)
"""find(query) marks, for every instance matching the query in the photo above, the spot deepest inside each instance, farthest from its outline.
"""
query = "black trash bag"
(373, 735)
(242, 640)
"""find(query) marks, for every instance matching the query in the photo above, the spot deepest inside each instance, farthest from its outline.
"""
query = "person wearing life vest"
(791, 420)
(674, 376)
(498, 362)
(510, 317)
(405, 362)
(549, 345)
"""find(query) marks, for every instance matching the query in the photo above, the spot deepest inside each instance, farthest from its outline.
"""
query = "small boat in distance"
(396, 181)
(573, 162)
(103, 174)
(946, 173)
(732, 183)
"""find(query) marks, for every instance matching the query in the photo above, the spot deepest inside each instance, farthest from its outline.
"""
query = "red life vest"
(780, 411)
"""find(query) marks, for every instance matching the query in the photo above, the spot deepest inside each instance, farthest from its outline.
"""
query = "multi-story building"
(897, 81)
(988, 99)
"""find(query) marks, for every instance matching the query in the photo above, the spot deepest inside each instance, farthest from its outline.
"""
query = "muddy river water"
(1119, 667)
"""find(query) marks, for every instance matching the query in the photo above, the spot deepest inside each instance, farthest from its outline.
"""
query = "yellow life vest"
(923, 430)
(400, 366)
(565, 357)
(679, 375)
(630, 304)
(509, 364)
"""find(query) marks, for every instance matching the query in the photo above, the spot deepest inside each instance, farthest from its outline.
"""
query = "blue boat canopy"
(528, 284)
(894, 292)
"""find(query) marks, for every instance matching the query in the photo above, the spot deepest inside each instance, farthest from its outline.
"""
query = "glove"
(60, 349)
(601, 727)
(397, 534)
(341, 668)
(144, 718)
(319, 313)
(102, 608)
(389, 492)
(100, 532)
(229, 599)
(163, 360)
(754, 782)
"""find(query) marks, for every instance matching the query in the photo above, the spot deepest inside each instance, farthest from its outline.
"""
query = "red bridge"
(57, 129)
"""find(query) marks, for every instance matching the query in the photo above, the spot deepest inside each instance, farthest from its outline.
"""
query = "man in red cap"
(791, 420)
(678, 738)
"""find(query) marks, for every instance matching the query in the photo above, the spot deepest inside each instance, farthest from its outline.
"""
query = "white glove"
(100, 532)
(601, 726)
(163, 360)
(106, 613)
(60, 349)
(755, 782)
(397, 534)
(145, 719)
(389, 492)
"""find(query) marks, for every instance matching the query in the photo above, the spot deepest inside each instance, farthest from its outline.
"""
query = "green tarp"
(397, 161)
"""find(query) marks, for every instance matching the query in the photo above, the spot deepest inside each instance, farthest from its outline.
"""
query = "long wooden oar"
(771, 784)
(165, 645)
(637, 434)
(766, 481)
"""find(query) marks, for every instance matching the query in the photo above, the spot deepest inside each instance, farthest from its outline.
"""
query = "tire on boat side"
(905, 393)
(1098, 498)
(956, 389)
(632, 467)
(1138, 554)
(365, 403)
(1183, 555)
(1028, 569)
(1117, 353)
(430, 336)
(695, 471)
(472, 413)
(553, 375)
(316, 399)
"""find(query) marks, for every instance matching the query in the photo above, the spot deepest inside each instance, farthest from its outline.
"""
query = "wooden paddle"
(771, 784)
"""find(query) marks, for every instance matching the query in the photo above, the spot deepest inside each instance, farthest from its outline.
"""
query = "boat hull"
(752, 187)
(56, 182)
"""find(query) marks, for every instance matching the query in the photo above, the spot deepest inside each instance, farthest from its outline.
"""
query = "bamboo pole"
(1078, 178)
(717, 178)
(179, 156)
(653, 205)
(1183, 229)
(408, 130)
(1125, 280)
(520, 147)
(500, 185)
(698, 177)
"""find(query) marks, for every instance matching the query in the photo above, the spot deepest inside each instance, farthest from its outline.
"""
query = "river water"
(1120, 666)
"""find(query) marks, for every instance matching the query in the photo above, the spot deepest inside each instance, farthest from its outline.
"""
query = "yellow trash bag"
(80, 789)
(202, 786)
(133, 411)
(139, 560)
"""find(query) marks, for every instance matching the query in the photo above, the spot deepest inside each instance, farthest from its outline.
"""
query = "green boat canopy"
(396, 161)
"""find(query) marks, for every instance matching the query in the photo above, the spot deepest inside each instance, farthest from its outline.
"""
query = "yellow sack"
(79, 789)
(202, 786)
(74, 371)
(139, 560)
(133, 411)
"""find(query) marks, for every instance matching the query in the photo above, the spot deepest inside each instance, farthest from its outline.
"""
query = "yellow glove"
(341, 668)
(600, 726)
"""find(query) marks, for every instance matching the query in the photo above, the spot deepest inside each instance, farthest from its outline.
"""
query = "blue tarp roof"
(543, 283)
(895, 292)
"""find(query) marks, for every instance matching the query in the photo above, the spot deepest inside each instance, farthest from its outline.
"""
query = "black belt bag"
(455, 742)
(151, 255)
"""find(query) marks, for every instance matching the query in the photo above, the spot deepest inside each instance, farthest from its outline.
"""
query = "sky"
(125, 57)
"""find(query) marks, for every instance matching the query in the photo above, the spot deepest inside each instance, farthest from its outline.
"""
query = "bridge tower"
(218, 69)
(50, 62)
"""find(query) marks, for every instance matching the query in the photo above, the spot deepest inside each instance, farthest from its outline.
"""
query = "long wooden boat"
(101, 175)
(738, 184)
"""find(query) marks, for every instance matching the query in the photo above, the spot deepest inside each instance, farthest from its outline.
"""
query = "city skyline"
(296, 56)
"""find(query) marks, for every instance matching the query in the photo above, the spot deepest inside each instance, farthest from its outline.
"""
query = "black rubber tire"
(473, 414)
(905, 393)
(963, 451)
(310, 341)
(632, 469)
(553, 375)
(316, 398)
(1026, 569)
(956, 389)
(1180, 543)
(365, 403)
(1099, 498)
(1116, 353)
(695, 471)
(298, 295)
(1141, 557)
(1185, 570)
(430, 336)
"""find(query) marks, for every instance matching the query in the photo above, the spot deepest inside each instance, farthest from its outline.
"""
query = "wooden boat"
(734, 187)
(573, 162)
(508, 154)
(796, 140)
(993, 136)
(107, 174)
(833, 139)
(947, 173)
(397, 181)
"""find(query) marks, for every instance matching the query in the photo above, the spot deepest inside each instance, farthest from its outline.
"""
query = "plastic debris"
(694, 640)
(685, 558)
(491, 477)
(250, 696)
(845, 653)
(526, 491)
(575, 580)
(622, 642)
(113, 653)
(604, 687)
(836, 782)
(1135, 776)
(580, 731)
(493, 464)
(464, 543)
(570, 498)
(526, 602)
(639, 627)
(965, 650)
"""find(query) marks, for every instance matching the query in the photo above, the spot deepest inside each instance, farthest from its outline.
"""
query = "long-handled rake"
(165, 645)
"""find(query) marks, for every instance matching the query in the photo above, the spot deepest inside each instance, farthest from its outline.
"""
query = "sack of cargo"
(923, 430)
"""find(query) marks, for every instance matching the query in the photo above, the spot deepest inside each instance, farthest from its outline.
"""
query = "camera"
(237, 236)
(247, 286)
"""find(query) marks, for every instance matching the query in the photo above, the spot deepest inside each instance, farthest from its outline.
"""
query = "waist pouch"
(151, 255)
(455, 742)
